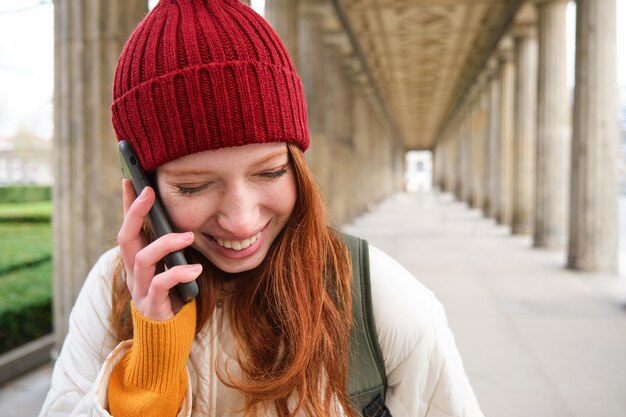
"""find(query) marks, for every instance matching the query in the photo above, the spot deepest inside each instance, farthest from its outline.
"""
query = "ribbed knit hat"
(205, 74)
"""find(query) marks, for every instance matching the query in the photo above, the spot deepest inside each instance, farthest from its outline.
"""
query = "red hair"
(291, 315)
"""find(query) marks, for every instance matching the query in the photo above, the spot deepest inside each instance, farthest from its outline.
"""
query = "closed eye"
(186, 190)
(274, 174)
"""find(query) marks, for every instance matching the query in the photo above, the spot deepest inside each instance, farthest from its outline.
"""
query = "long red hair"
(291, 315)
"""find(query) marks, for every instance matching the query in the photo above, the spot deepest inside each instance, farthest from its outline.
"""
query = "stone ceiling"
(423, 54)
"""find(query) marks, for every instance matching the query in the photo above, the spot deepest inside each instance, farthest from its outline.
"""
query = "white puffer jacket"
(425, 374)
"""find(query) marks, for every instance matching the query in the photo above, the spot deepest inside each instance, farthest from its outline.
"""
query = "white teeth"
(238, 245)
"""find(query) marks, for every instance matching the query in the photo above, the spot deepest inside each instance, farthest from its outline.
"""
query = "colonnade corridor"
(536, 339)
(482, 85)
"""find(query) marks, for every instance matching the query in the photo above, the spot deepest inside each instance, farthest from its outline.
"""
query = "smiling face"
(236, 200)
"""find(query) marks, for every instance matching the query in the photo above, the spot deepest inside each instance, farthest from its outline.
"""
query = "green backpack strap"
(367, 378)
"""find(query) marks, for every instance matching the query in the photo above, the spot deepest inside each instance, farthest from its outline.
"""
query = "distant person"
(209, 98)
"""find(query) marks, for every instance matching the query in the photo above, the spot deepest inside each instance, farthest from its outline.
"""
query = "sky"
(26, 62)
(26, 66)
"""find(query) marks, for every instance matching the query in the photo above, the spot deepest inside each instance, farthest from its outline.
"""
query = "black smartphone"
(157, 219)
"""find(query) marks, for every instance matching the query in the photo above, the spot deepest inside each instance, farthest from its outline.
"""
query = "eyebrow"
(271, 157)
(255, 164)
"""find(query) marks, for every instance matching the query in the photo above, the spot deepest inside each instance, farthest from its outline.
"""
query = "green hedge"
(25, 193)
(32, 212)
(24, 244)
(25, 273)
(25, 305)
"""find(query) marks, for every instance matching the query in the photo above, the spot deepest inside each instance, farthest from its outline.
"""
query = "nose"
(239, 212)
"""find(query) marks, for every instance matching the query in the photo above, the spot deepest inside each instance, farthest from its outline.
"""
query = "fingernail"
(144, 194)
(188, 236)
(195, 268)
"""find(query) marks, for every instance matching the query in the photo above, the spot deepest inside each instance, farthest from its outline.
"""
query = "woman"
(209, 98)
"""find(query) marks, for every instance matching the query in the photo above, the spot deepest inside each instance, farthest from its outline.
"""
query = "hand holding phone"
(157, 219)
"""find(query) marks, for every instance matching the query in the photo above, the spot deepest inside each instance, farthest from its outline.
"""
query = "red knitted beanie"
(205, 74)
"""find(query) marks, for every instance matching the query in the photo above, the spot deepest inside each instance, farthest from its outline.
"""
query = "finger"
(147, 258)
(157, 305)
(165, 281)
(128, 194)
(130, 237)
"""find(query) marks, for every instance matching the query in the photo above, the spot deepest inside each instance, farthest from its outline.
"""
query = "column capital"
(491, 69)
(527, 13)
(352, 64)
(331, 23)
(482, 76)
(482, 79)
(354, 68)
(313, 8)
(505, 49)
(338, 39)
(475, 91)
(524, 31)
(542, 2)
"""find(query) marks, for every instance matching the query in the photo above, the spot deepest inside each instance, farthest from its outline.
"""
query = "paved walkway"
(536, 340)
(24, 396)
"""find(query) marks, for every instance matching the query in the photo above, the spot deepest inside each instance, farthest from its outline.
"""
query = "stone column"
(456, 161)
(338, 124)
(471, 136)
(456, 158)
(377, 137)
(454, 164)
(525, 136)
(471, 168)
(553, 132)
(453, 157)
(442, 158)
(311, 55)
(398, 155)
(459, 140)
(388, 167)
(87, 200)
(507, 101)
(450, 151)
(361, 155)
(438, 168)
(485, 102)
(479, 150)
(350, 74)
(283, 16)
(466, 146)
(594, 222)
(452, 160)
(493, 151)
(440, 154)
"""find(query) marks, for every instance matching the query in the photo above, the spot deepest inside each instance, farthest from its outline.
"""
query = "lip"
(237, 254)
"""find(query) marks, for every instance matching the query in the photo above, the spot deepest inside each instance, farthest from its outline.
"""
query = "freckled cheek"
(186, 216)
(285, 201)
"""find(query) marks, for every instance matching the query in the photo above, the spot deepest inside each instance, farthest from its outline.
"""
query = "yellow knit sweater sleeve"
(151, 380)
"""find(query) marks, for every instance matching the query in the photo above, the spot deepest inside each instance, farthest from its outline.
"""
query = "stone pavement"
(24, 396)
(537, 340)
